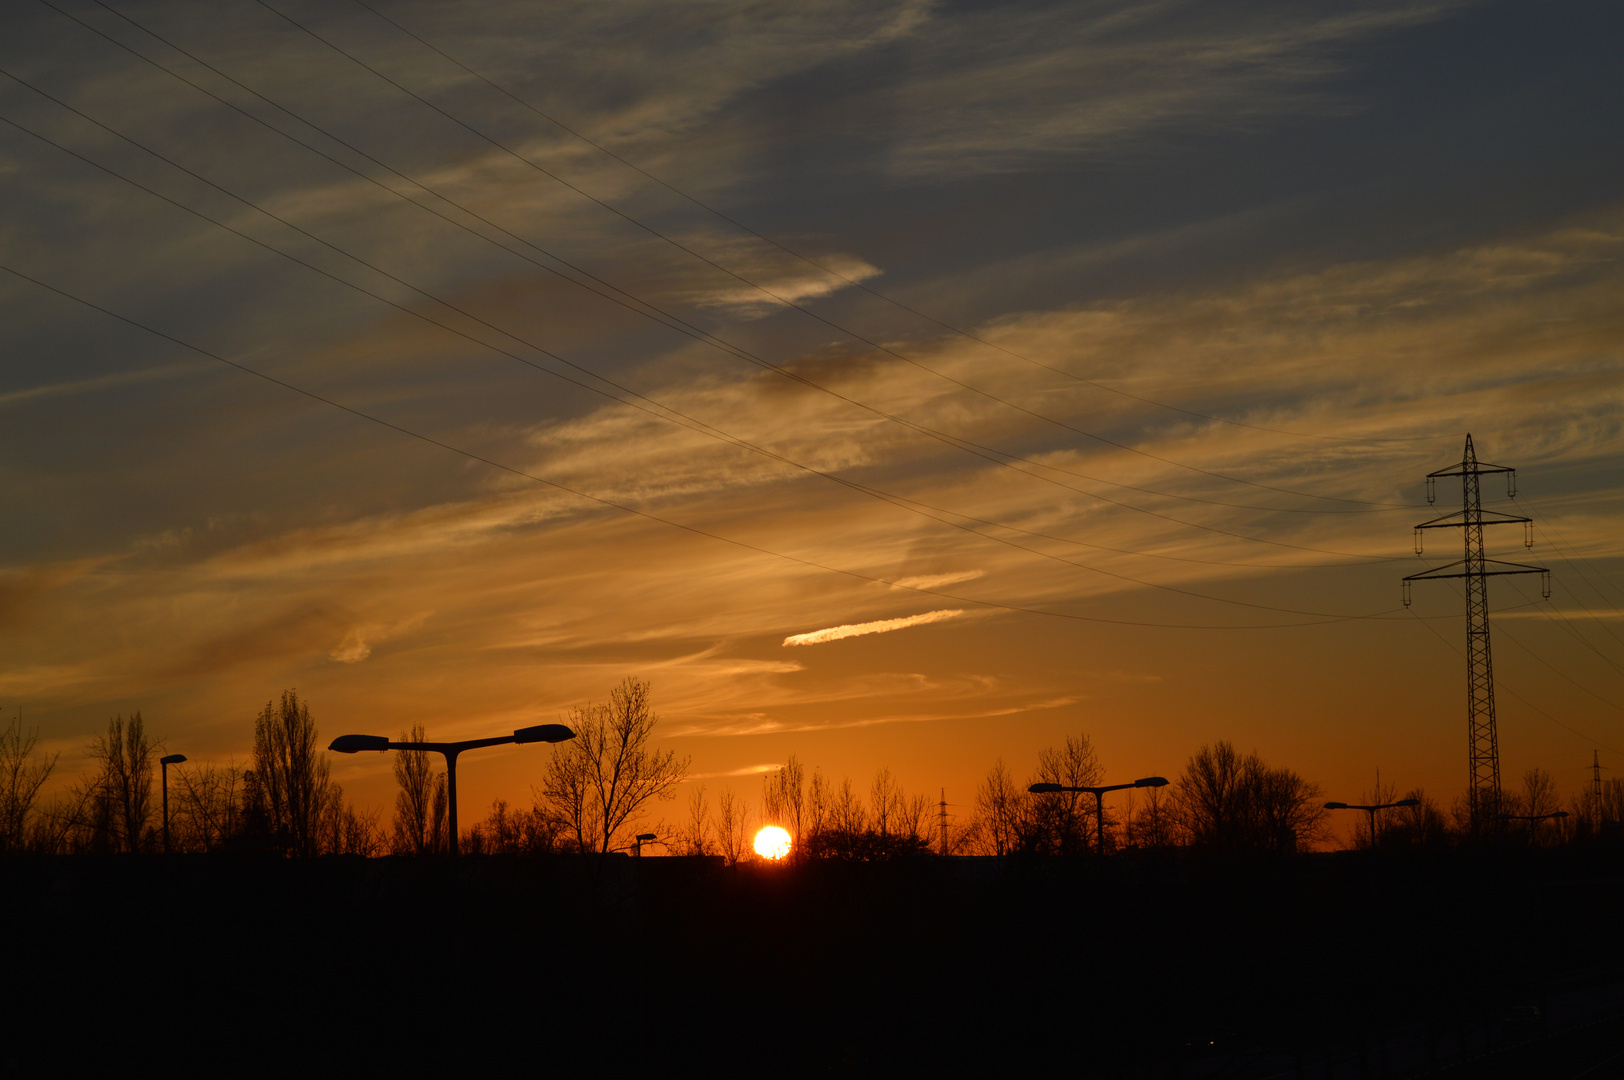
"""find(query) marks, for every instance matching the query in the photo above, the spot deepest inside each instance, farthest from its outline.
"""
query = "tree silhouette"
(1155, 823)
(1236, 803)
(1421, 825)
(1062, 823)
(783, 801)
(732, 828)
(509, 832)
(414, 824)
(599, 782)
(1378, 795)
(21, 777)
(695, 836)
(207, 810)
(290, 788)
(120, 794)
(1000, 812)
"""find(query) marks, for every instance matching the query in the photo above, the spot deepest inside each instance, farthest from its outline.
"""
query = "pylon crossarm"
(1477, 468)
(1438, 571)
(1486, 517)
(1510, 568)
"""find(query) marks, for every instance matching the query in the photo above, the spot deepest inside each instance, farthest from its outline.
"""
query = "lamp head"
(1336, 806)
(1151, 781)
(354, 744)
(1408, 802)
(1504, 817)
(172, 759)
(1560, 813)
(646, 837)
(1044, 789)
(543, 733)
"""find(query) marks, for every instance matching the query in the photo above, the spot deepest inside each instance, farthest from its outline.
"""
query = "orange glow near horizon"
(772, 843)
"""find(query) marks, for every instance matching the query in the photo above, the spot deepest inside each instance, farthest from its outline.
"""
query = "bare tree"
(1287, 811)
(818, 798)
(599, 782)
(885, 800)
(120, 795)
(290, 788)
(1379, 795)
(695, 836)
(1000, 811)
(1231, 802)
(1062, 822)
(510, 832)
(21, 777)
(1154, 822)
(439, 828)
(846, 812)
(208, 806)
(913, 819)
(1211, 797)
(1420, 825)
(414, 824)
(783, 800)
(1612, 802)
(732, 827)
(1539, 797)
(345, 830)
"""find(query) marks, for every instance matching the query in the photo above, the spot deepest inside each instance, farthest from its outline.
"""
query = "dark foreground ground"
(1461, 965)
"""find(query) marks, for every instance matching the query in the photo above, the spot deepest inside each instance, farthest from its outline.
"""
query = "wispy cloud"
(798, 285)
(879, 626)
(359, 639)
(937, 581)
(748, 770)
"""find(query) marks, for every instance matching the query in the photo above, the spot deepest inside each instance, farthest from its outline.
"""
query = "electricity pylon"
(1483, 747)
(1595, 788)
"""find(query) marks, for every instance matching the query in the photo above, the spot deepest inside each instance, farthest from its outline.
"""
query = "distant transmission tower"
(942, 806)
(1595, 787)
(1483, 747)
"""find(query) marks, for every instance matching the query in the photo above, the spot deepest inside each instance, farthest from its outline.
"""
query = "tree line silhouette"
(597, 790)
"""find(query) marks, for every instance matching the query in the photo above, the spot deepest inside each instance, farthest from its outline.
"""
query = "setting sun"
(772, 843)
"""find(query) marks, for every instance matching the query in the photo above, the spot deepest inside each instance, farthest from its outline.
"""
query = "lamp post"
(1099, 799)
(1372, 810)
(164, 763)
(550, 733)
(1532, 819)
(643, 838)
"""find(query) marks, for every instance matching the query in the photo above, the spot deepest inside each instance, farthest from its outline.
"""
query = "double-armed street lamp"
(1099, 799)
(164, 763)
(1532, 819)
(1372, 810)
(354, 744)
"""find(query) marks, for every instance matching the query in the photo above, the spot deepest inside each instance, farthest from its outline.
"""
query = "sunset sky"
(899, 385)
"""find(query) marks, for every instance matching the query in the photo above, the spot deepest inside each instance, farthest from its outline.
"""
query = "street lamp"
(1099, 798)
(166, 761)
(1372, 810)
(643, 838)
(353, 744)
(1532, 819)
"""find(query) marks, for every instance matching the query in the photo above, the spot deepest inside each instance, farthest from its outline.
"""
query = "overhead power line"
(1590, 739)
(508, 150)
(645, 514)
(857, 282)
(990, 454)
(672, 321)
(910, 505)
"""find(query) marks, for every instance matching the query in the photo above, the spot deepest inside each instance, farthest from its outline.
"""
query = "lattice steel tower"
(1483, 747)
